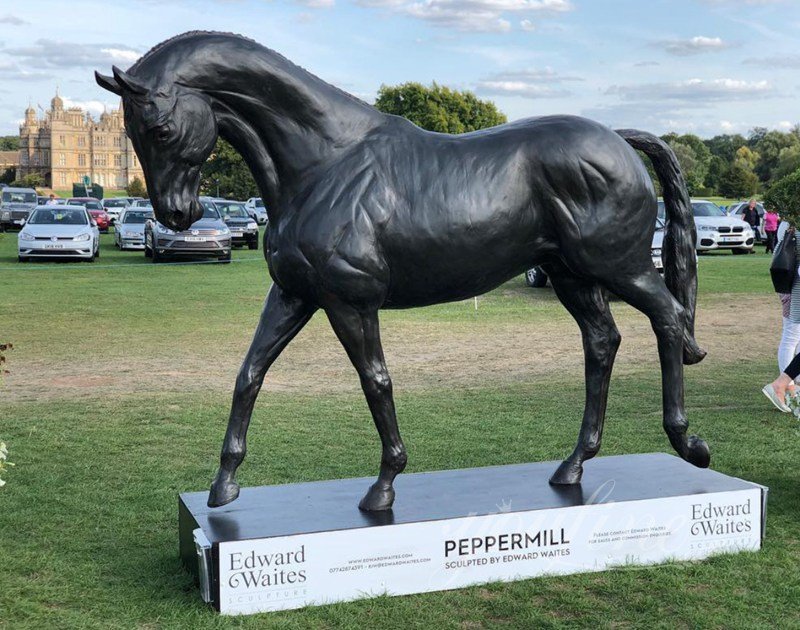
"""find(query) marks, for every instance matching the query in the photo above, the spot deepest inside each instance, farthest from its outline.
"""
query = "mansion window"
(100, 160)
(36, 159)
(23, 158)
(100, 141)
(62, 140)
(81, 141)
(117, 141)
(62, 159)
(81, 159)
(117, 159)
(63, 178)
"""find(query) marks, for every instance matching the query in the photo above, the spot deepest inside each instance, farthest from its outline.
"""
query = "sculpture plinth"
(281, 547)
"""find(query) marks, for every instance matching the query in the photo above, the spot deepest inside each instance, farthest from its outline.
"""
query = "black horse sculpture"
(367, 211)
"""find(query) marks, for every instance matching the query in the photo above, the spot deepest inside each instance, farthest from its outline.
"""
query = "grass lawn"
(120, 386)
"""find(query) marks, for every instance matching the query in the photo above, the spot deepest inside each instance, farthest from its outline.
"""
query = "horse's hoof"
(697, 452)
(568, 474)
(377, 499)
(222, 493)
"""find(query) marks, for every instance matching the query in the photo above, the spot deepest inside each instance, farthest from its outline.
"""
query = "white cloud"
(49, 53)
(317, 4)
(527, 25)
(12, 19)
(92, 106)
(692, 46)
(526, 83)
(694, 91)
(473, 15)
(777, 61)
(12, 72)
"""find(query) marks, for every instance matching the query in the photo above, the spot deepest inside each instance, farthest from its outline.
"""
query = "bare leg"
(360, 335)
(648, 293)
(282, 318)
(588, 304)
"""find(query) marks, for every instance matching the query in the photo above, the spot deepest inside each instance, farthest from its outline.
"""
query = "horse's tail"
(680, 259)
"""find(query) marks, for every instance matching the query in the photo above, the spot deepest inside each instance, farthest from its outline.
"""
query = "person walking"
(771, 219)
(789, 346)
(752, 218)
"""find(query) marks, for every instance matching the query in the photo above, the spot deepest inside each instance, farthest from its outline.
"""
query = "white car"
(59, 231)
(716, 230)
(129, 229)
(114, 206)
(256, 209)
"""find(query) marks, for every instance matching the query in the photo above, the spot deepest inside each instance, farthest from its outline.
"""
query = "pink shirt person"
(770, 221)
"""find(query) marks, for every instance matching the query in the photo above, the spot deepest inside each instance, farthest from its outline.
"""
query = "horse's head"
(173, 131)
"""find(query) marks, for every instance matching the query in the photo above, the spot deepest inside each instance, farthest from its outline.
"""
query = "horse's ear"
(108, 83)
(128, 82)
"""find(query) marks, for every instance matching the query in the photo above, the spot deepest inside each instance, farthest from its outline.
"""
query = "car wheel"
(97, 251)
(155, 256)
(536, 278)
(148, 253)
(225, 259)
(739, 251)
(253, 244)
(22, 259)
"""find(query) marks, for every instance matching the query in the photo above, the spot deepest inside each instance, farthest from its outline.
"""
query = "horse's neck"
(283, 120)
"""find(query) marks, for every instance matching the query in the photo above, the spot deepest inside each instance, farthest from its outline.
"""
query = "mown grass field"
(120, 386)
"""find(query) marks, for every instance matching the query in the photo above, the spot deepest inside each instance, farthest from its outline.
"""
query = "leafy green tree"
(788, 161)
(439, 108)
(784, 196)
(9, 143)
(725, 146)
(769, 147)
(8, 176)
(716, 168)
(32, 180)
(136, 188)
(693, 167)
(226, 171)
(738, 182)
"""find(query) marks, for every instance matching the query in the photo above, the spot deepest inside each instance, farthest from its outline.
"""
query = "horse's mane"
(189, 34)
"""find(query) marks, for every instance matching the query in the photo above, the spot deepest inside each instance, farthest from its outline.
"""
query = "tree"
(784, 196)
(738, 182)
(9, 143)
(136, 188)
(693, 167)
(769, 147)
(31, 180)
(788, 161)
(438, 108)
(9, 175)
(725, 146)
(226, 171)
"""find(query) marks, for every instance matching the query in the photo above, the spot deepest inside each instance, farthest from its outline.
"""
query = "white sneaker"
(769, 392)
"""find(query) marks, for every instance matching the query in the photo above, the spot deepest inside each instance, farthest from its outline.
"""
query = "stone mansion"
(67, 144)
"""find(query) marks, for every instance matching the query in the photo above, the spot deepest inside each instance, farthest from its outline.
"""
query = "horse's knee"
(377, 383)
(395, 458)
(233, 455)
(603, 346)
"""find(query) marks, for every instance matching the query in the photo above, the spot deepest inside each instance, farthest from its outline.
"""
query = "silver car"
(207, 237)
(257, 210)
(59, 231)
(114, 206)
(129, 229)
(16, 204)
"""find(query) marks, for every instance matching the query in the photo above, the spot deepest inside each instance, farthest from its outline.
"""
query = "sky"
(689, 66)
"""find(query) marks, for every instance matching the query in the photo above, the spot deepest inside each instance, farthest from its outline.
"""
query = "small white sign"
(311, 569)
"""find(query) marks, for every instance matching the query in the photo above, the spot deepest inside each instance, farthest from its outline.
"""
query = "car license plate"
(53, 246)
(195, 239)
(237, 233)
(725, 239)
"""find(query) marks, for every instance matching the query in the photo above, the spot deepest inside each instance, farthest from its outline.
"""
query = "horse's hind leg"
(647, 292)
(588, 304)
(360, 335)
(282, 318)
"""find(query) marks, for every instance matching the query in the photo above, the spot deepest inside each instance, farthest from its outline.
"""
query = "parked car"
(537, 278)
(16, 204)
(129, 228)
(95, 209)
(257, 210)
(59, 231)
(208, 236)
(113, 206)
(141, 203)
(716, 230)
(244, 230)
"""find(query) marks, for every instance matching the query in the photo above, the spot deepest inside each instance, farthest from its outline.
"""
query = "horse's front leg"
(282, 318)
(359, 333)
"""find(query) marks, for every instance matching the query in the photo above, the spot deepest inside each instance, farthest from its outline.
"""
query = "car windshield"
(706, 209)
(89, 204)
(209, 211)
(235, 210)
(137, 216)
(142, 203)
(66, 216)
(19, 197)
(258, 203)
(115, 203)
